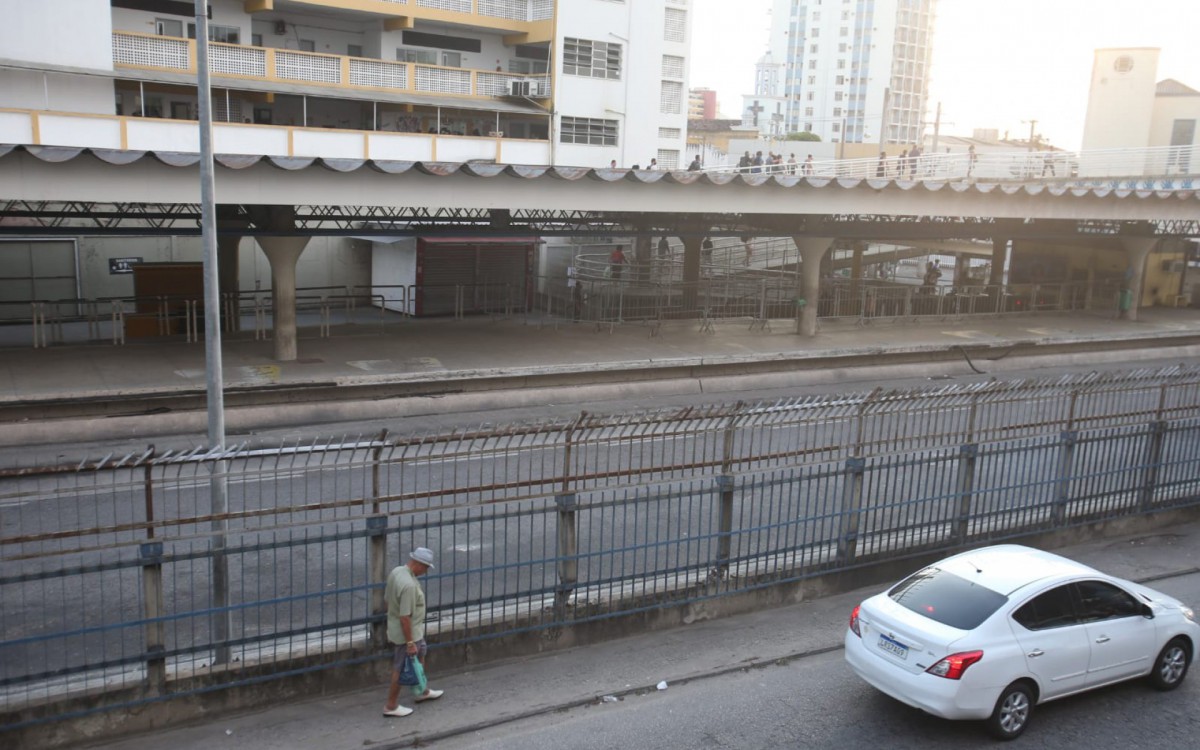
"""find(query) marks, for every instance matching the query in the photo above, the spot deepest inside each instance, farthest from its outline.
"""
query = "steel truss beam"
(26, 218)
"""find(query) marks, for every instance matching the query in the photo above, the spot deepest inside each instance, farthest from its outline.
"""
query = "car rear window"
(947, 598)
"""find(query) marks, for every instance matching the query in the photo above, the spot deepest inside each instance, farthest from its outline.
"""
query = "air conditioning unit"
(521, 88)
(280, 27)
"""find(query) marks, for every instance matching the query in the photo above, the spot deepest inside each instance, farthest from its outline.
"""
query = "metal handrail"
(1009, 166)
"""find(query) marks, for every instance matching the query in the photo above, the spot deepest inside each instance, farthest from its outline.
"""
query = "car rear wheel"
(1013, 710)
(1171, 666)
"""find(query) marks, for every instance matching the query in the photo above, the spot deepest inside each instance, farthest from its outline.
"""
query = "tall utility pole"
(937, 127)
(218, 490)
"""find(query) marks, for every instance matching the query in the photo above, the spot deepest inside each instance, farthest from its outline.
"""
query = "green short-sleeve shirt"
(404, 597)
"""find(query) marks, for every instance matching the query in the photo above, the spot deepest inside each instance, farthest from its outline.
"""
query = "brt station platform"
(796, 264)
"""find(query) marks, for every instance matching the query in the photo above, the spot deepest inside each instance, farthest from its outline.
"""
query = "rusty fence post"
(968, 456)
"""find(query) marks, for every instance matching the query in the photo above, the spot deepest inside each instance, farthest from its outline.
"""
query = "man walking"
(406, 624)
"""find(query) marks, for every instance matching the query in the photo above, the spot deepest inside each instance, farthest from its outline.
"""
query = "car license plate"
(894, 647)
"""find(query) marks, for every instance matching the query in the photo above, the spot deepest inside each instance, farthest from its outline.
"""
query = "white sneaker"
(430, 695)
(398, 711)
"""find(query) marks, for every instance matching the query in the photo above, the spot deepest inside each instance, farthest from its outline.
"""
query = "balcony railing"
(512, 10)
(133, 50)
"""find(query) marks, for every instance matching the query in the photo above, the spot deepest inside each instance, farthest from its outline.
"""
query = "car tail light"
(953, 666)
(854, 621)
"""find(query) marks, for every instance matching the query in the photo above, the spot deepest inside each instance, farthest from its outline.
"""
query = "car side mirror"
(1147, 612)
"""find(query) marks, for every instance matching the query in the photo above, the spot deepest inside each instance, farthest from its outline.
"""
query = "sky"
(996, 63)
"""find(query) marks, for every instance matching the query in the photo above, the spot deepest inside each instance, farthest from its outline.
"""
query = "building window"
(812, 80)
(672, 66)
(584, 57)
(837, 127)
(668, 158)
(223, 34)
(808, 111)
(527, 67)
(843, 31)
(256, 40)
(812, 64)
(816, 33)
(671, 101)
(813, 48)
(354, 50)
(169, 27)
(837, 96)
(840, 80)
(841, 64)
(842, 47)
(419, 56)
(676, 25)
(308, 45)
(588, 131)
(670, 133)
(810, 96)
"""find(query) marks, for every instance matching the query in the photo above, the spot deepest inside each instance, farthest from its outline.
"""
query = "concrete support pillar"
(643, 249)
(283, 252)
(1137, 249)
(856, 267)
(961, 276)
(230, 223)
(999, 259)
(812, 253)
(691, 271)
(228, 282)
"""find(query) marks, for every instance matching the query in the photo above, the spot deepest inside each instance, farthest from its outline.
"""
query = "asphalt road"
(818, 702)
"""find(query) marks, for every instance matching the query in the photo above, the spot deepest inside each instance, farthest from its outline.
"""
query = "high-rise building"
(702, 104)
(571, 82)
(854, 67)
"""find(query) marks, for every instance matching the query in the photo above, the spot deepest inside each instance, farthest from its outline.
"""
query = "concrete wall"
(1121, 99)
(327, 261)
(59, 92)
(72, 33)
(1168, 109)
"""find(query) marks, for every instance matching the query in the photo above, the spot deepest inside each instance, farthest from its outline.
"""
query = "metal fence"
(121, 585)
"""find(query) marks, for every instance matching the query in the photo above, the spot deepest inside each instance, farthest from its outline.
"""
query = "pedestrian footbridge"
(284, 201)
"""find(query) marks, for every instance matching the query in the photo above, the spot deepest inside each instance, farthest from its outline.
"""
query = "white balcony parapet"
(140, 50)
(39, 128)
(172, 54)
(380, 74)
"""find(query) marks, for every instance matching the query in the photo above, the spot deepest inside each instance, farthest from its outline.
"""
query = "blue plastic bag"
(413, 674)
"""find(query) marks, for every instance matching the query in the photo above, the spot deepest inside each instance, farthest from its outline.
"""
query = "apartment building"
(566, 82)
(561, 82)
(854, 71)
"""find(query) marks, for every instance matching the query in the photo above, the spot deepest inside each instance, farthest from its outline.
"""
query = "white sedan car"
(990, 633)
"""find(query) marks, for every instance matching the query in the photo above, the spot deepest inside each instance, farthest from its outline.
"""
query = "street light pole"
(218, 490)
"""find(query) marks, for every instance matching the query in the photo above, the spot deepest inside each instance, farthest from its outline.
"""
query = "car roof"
(1005, 568)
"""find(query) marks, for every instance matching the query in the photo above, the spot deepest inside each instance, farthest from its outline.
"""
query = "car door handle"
(1035, 653)
(1103, 639)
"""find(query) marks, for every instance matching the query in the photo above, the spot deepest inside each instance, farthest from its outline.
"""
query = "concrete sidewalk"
(509, 690)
